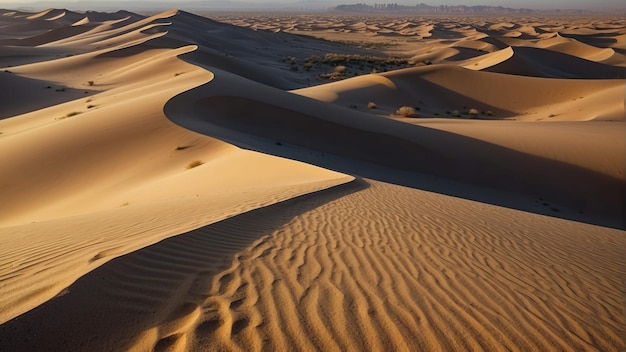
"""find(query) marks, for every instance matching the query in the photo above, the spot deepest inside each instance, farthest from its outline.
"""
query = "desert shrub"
(91, 83)
(340, 69)
(194, 163)
(489, 113)
(456, 113)
(406, 111)
(308, 66)
(473, 112)
(371, 105)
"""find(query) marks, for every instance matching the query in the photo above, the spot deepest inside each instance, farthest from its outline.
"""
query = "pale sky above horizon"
(538, 4)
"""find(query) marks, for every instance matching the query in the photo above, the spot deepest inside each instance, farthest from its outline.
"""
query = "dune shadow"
(113, 305)
(26, 95)
(537, 62)
(355, 143)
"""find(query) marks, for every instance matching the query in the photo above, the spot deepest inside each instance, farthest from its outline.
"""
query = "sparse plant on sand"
(340, 69)
(91, 83)
(473, 112)
(406, 111)
(456, 113)
(194, 163)
(371, 105)
(489, 113)
(338, 72)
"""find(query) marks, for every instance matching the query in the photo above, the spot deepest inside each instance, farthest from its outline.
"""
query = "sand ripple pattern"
(395, 269)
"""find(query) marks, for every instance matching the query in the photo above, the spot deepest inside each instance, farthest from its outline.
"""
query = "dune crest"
(90, 164)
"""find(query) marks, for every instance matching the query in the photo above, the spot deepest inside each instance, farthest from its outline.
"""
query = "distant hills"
(278, 5)
(446, 9)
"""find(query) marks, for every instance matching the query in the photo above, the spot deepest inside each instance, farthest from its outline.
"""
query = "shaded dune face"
(179, 183)
(421, 151)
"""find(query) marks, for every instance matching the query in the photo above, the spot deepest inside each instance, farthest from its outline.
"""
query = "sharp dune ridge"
(177, 182)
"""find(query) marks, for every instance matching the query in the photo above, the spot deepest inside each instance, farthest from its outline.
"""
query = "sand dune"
(440, 88)
(431, 274)
(173, 182)
(228, 108)
(88, 162)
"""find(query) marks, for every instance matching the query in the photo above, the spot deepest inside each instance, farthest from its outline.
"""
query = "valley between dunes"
(249, 182)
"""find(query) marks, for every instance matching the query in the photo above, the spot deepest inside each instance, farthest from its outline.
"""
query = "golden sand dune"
(348, 269)
(104, 152)
(177, 183)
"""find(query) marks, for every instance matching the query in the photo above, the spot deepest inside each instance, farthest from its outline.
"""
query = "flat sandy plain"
(178, 183)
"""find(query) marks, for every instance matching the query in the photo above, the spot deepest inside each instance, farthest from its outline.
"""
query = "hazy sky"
(569, 4)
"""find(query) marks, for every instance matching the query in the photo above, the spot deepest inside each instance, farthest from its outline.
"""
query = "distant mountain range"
(445, 9)
(276, 5)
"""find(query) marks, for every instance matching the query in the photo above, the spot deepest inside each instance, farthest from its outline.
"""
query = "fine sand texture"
(311, 182)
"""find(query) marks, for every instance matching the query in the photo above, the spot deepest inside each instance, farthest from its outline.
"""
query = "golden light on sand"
(300, 182)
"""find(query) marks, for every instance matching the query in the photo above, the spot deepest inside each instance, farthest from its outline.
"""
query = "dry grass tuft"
(406, 111)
